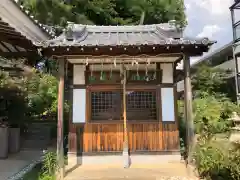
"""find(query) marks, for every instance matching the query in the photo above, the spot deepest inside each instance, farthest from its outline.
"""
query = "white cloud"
(215, 7)
(209, 31)
(209, 18)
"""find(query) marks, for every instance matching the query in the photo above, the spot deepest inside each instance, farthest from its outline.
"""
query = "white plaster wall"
(78, 74)
(79, 95)
(168, 109)
(79, 105)
(167, 72)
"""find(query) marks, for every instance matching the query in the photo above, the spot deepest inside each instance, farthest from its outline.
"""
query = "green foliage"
(46, 177)
(210, 80)
(106, 12)
(215, 111)
(34, 96)
(46, 170)
(13, 102)
(217, 160)
(42, 93)
(49, 164)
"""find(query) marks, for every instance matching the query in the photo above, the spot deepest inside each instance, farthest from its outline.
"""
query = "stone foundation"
(116, 160)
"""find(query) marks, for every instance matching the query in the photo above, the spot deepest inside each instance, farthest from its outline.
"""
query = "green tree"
(106, 12)
(42, 91)
(213, 81)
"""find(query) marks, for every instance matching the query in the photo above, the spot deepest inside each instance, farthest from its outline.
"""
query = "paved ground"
(15, 163)
(170, 171)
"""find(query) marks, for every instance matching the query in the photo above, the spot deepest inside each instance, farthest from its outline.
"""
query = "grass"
(33, 174)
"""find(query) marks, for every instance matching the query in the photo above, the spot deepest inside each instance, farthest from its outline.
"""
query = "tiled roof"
(91, 35)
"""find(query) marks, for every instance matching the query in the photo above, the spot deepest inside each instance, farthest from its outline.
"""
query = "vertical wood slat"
(153, 136)
(72, 138)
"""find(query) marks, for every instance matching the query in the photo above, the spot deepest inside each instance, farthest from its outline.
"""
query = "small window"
(141, 105)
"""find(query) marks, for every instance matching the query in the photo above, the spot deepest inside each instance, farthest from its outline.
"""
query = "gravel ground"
(170, 171)
(151, 178)
(176, 178)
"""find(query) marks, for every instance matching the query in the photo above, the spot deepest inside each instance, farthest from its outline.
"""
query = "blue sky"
(209, 18)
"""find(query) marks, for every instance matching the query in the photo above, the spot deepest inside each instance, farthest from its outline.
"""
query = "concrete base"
(117, 160)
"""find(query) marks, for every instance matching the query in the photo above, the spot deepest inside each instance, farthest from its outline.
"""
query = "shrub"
(234, 163)
(216, 110)
(42, 95)
(214, 160)
(209, 161)
(49, 164)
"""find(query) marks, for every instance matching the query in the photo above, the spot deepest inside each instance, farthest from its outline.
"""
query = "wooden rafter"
(9, 30)
(17, 42)
(5, 46)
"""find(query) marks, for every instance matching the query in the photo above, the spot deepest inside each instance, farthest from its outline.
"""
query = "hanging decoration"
(115, 62)
(86, 62)
(120, 70)
(137, 75)
(91, 77)
(146, 72)
(102, 75)
(155, 72)
(133, 62)
(110, 76)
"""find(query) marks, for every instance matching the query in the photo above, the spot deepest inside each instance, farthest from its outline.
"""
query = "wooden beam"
(120, 50)
(60, 152)
(188, 109)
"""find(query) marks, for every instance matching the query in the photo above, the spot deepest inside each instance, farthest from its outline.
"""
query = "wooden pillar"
(72, 131)
(60, 152)
(188, 108)
(125, 145)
